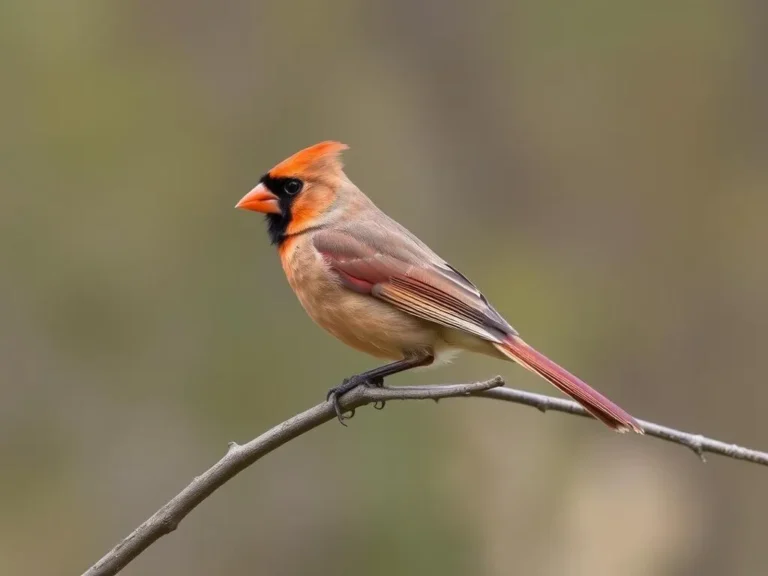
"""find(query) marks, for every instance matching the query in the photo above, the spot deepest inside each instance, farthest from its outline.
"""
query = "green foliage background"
(598, 168)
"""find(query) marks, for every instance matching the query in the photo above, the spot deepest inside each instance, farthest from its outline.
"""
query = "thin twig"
(239, 457)
(696, 442)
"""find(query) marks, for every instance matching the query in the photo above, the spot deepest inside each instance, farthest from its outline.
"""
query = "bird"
(375, 286)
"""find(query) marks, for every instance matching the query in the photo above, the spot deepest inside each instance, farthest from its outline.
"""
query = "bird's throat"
(277, 225)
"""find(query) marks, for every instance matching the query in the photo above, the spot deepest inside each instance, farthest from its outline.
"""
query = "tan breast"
(358, 320)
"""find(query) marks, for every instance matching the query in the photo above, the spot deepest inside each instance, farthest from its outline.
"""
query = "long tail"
(595, 403)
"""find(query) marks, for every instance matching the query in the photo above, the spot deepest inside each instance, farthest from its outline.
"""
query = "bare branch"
(696, 442)
(239, 457)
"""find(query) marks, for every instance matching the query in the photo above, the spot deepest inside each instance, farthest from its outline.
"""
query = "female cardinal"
(376, 287)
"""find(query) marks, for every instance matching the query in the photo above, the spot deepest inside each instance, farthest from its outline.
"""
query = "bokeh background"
(598, 168)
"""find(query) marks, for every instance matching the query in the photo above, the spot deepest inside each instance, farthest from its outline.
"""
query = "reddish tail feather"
(595, 403)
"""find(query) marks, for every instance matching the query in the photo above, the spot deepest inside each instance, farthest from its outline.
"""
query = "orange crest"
(317, 158)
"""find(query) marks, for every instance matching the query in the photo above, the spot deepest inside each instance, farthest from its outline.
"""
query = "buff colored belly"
(370, 325)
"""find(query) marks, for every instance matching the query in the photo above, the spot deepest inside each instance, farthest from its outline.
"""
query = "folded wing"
(409, 276)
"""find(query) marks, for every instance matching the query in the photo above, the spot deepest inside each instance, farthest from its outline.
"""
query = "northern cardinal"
(376, 287)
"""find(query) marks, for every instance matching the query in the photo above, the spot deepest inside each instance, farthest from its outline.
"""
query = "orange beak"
(260, 200)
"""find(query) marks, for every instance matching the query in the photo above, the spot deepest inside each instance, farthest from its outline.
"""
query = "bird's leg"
(374, 377)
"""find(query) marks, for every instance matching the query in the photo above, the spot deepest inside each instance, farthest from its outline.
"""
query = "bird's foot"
(377, 383)
(348, 384)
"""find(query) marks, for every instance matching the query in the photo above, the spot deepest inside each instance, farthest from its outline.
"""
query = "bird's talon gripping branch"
(377, 382)
(340, 412)
(338, 391)
(334, 398)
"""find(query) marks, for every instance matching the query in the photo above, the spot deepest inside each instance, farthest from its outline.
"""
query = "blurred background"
(599, 169)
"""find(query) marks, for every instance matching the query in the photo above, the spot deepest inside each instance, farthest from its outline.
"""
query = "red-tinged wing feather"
(405, 275)
(594, 402)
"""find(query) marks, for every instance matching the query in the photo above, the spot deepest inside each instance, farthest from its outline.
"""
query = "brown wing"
(401, 270)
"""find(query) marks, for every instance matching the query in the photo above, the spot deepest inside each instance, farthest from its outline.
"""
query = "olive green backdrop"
(598, 168)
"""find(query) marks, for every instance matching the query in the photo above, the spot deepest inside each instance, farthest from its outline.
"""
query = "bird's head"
(297, 192)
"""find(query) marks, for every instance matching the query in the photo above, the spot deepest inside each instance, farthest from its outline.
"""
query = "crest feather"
(319, 157)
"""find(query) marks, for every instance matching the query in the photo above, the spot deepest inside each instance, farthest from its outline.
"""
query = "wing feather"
(406, 274)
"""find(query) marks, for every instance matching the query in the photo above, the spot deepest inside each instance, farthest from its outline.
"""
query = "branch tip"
(696, 443)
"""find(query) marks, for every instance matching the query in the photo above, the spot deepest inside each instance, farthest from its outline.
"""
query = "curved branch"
(239, 457)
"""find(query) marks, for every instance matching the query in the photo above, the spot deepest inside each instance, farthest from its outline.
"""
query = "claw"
(334, 398)
(375, 382)
(334, 393)
(348, 384)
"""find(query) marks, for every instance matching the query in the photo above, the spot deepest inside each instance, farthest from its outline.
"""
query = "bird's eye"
(292, 187)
